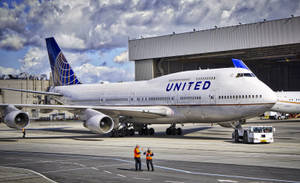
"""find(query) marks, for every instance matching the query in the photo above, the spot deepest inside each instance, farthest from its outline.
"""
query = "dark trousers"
(138, 164)
(149, 162)
(24, 134)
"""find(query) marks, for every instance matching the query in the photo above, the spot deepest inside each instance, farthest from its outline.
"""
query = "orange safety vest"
(149, 155)
(137, 153)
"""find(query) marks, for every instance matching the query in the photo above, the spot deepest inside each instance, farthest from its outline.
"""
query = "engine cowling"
(16, 119)
(98, 122)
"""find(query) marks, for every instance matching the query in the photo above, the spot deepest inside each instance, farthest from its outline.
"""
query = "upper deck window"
(245, 75)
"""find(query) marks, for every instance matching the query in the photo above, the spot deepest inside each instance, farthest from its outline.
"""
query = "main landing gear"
(172, 130)
(128, 129)
(146, 131)
(122, 131)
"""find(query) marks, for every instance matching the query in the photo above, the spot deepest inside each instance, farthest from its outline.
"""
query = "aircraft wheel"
(121, 133)
(131, 132)
(151, 131)
(168, 131)
(127, 132)
(141, 132)
(146, 131)
(236, 136)
(173, 131)
(245, 138)
(114, 133)
(179, 131)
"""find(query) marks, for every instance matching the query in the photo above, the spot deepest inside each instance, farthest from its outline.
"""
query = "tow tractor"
(253, 134)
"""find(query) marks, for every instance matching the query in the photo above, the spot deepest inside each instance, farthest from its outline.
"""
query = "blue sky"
(93, 34)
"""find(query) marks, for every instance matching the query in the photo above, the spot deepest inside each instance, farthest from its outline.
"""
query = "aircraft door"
(102, 99)
(212, 97)
(131, 98)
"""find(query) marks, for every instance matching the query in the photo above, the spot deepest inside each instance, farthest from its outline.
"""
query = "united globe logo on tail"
(62, 73)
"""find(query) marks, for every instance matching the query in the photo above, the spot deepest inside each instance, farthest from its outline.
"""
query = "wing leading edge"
(132, 111)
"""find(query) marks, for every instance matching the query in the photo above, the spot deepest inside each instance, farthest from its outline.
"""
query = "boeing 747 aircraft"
(288, 102)
(222, 96)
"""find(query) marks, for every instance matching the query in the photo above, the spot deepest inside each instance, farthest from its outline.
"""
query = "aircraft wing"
(130, 111)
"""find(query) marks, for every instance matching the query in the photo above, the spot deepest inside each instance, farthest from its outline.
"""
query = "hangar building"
(271, 49)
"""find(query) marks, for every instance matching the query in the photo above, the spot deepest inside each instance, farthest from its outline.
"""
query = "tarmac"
(64, 151)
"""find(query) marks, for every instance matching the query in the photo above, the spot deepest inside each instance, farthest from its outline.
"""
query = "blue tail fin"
(62, 73)
(239, 64)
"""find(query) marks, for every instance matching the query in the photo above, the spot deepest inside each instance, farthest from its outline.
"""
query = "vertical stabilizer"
(239, 64)
(62, 73)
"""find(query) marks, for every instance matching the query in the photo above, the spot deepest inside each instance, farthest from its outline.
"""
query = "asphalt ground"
(67, 152)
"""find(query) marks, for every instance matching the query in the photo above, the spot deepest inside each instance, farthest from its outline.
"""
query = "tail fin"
(239, 64)
(62, 73)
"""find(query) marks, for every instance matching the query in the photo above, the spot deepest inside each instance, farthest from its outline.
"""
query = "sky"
(93, 34)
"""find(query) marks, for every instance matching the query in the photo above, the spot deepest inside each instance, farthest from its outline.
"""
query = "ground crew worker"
(137, 158)
(149, 155)
(24, 132)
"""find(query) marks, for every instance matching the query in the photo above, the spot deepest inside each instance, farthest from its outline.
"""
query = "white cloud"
(123, 57)
(88, 73)
(35, 61)
(225, 14)
(86, 25)
(12, 42)
(70, 41)
(8, 70)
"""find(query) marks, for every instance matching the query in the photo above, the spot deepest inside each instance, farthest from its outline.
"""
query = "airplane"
(222, 96)
(287, 101)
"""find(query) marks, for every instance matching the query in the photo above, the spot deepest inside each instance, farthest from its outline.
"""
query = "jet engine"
(98, 122)
(15, 118)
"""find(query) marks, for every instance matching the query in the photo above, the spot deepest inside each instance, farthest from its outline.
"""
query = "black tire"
(168, 131)
(173, 131)
(151, 131)
(179, 131)
(236, 136)
(131, 132)
(141, 132)
(146, 131)
(245, 138)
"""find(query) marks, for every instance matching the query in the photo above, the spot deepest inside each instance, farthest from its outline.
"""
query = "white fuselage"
(215, 95)
(288, 102)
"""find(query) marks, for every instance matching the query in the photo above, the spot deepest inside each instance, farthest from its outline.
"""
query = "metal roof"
(256, 35)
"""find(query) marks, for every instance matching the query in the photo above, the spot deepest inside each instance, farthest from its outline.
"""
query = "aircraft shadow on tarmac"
(86, 135)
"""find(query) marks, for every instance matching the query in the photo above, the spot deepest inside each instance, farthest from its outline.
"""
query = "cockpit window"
(245, 75)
